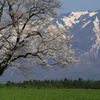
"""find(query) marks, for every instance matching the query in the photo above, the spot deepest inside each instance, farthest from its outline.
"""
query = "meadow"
(19, 93)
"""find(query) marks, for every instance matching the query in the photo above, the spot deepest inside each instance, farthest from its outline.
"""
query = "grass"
(48, 94)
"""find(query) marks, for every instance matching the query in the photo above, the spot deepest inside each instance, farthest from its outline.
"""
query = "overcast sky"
(80, 5)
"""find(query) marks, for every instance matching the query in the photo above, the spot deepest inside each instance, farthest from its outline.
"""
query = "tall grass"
(48, 94)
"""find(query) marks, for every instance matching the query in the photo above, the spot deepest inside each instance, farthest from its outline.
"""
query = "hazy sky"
(80, 5)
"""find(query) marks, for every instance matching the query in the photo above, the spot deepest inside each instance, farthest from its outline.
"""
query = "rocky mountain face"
(84, 29)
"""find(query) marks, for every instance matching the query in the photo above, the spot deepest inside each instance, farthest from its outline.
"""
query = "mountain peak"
(84, 26)
(73, 18)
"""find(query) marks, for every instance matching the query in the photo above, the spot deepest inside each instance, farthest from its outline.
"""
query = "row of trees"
(88, 84)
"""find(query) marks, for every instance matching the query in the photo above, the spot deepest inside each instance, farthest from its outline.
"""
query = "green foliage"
(80, 83)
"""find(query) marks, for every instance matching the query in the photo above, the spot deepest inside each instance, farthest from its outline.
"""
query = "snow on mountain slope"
(84, 27)
(74, 17)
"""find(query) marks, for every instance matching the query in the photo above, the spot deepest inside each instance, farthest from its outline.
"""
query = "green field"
(48, 94)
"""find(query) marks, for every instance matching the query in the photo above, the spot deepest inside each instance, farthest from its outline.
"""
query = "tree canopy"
(27, 34)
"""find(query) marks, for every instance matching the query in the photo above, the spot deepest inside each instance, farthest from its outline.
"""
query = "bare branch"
(27, 32)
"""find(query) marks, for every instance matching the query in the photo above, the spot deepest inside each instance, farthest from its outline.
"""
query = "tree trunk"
(4, 64)
(2, 69)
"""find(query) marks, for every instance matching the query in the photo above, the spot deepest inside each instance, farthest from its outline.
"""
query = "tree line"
(65, 83)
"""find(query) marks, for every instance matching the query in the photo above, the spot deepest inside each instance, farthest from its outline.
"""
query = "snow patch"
(86, 24)
(78, 14)
(96, 25)
(92, 14)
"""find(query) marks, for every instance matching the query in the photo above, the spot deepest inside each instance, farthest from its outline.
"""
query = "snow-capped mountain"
(84, 29)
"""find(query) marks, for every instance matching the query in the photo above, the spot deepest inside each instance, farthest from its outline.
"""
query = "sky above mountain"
(79, 5)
